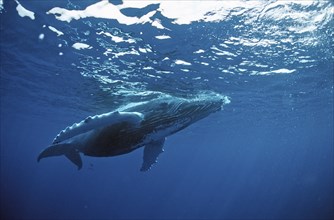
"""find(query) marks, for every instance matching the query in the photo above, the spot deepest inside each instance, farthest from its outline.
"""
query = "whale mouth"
(214, 98)
(210, 95)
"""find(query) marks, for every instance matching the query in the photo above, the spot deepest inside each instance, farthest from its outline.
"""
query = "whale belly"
(110, 141)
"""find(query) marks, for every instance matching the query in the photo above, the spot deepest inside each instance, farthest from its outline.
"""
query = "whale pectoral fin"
(151, 153)
(74, 156)
(62, 149)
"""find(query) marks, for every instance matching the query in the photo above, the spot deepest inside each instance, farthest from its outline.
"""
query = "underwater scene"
(166, 109)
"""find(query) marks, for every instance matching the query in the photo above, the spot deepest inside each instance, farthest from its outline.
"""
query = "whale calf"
(144, 124)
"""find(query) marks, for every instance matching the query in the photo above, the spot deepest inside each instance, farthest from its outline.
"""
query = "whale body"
(143, 124)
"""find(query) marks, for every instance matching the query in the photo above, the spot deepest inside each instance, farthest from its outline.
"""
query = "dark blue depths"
(267, 155)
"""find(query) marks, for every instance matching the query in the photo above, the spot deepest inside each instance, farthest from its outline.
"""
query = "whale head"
(200, 106)
(167, 115)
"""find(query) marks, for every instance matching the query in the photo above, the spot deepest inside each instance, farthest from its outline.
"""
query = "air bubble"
(41, 36)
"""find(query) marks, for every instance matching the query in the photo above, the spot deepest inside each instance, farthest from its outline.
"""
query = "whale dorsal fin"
(151, 153)
(93, 122)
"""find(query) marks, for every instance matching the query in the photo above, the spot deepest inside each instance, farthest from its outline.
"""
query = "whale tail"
(62, 149)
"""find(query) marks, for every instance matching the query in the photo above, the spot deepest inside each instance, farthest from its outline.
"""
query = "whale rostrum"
(144, 124)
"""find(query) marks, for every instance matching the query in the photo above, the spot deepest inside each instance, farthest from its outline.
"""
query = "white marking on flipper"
(96, 121)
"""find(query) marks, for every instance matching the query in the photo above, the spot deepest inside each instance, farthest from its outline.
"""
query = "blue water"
(267, 155)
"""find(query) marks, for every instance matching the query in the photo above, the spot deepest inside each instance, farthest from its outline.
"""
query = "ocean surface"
(267, 155)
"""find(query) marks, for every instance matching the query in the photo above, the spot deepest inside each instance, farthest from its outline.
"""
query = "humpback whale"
(143, 124)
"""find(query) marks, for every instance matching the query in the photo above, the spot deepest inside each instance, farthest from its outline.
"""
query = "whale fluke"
(151, 153)
(62, 149)
(74, 156)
